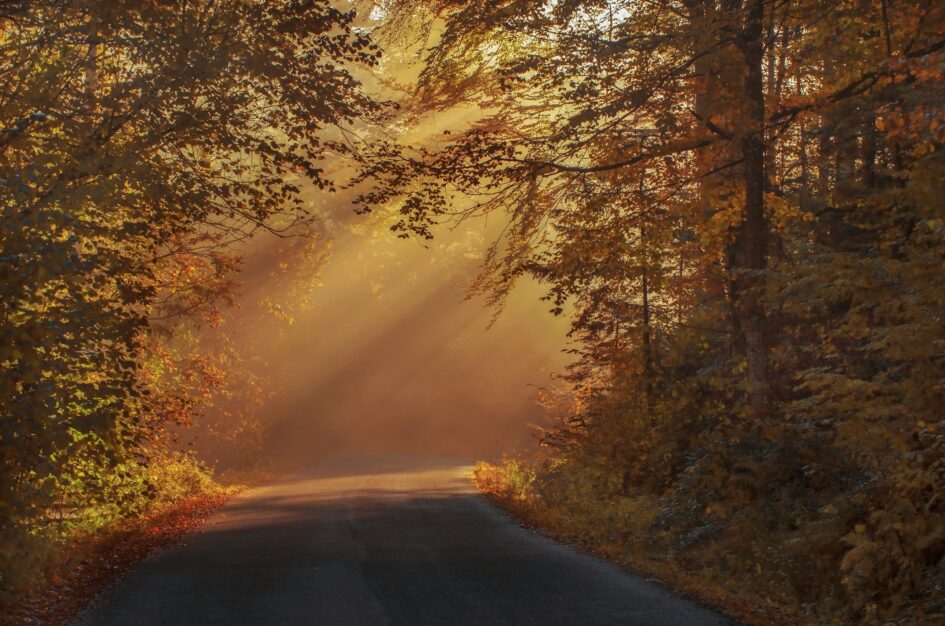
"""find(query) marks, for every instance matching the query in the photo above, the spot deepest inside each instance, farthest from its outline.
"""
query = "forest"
(735, 206)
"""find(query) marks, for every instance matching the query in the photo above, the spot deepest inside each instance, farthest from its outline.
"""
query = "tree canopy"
(139, 139)
(737, 201)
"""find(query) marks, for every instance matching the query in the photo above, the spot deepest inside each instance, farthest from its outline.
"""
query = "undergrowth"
(55, 542)
(798, 573)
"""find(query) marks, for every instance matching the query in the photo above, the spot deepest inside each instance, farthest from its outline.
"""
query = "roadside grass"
(78, 553)
(621, 531)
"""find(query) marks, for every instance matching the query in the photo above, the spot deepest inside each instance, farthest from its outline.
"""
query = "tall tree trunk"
(714, 169)
(647, 336)
(751, 239)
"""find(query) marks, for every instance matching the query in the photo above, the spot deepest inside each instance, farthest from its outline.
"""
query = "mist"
(388, 354)
(371, 344)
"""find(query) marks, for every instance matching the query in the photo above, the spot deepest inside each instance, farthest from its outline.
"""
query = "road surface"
(400, 545)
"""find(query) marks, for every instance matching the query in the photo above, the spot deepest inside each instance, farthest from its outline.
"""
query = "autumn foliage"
(738, 203)
(140, 140)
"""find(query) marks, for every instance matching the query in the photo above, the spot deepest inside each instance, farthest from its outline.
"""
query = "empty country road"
(371, 543)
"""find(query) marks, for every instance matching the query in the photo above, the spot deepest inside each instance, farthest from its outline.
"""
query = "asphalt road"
(398, 544)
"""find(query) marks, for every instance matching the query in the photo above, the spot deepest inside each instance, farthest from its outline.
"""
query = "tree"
(569, 86)
(136, 134)
(787, 168)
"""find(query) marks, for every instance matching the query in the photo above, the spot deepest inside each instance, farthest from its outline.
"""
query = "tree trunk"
(751, 239)
(647, 338)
